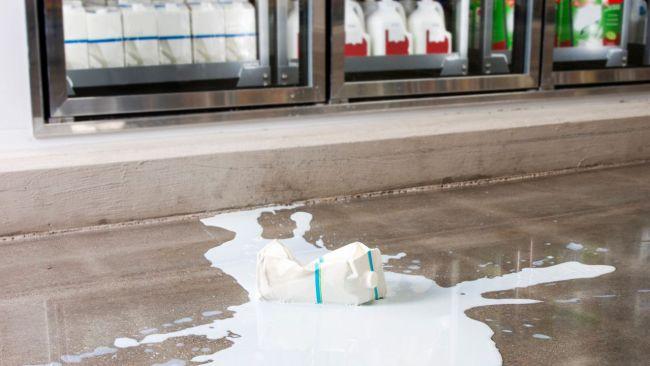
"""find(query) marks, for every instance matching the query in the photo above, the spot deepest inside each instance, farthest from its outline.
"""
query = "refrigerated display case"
(597, 42)
(388, 48)
(130, 57)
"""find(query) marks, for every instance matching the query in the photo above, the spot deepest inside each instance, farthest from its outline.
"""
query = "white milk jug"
(293, 31)
(140, 35)
(75, 34)
(208, 32)
(387, 29)
(105, 38)
(357, 41)
(241, 29)
(427, 24)
(174, 34)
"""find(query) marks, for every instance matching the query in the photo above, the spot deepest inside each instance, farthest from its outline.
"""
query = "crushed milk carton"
(350, 275)
(174, 33)
(208, 32)
(75, 35)
(105, 38)
(241, 29)
(140, 34)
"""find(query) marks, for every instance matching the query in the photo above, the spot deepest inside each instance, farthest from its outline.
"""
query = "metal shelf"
(449, 64)
(249, 74)
(614, 56)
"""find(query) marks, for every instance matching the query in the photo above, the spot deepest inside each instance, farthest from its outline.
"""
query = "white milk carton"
(293, 31)
(351, 275)
(75, 34)
(140, 35)
(241, 31)
(427, 24)
(208, 32)
(174, 33)
(105, 38)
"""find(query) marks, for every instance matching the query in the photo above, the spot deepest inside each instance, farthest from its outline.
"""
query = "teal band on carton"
(317, 280)
(372, 269)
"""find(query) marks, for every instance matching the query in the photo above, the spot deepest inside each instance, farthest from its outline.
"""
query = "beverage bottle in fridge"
(587, 26)
(387, 29)
(208, 32)
(427, 25)
(510, 22)
(357, 41)
(241, 31)
(293, 31)
(140, 34)
(612, 21)
(75, 34)
(563, 24)
(499, 26)
(105, 37)
(174, 33)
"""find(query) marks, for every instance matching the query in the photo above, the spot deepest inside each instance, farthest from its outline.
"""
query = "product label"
(612, 19)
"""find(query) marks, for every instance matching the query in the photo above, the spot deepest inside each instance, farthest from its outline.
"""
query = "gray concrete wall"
(276, 161)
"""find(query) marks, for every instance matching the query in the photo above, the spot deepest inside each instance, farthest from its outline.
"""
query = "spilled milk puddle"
(417, 323)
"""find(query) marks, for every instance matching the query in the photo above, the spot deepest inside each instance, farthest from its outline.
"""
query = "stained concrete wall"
(274, 161)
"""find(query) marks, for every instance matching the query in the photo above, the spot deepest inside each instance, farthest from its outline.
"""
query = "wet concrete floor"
(66, 298)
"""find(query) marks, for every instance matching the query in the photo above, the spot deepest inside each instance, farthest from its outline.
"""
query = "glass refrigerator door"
(388, 47)
(600, 41)
(135, 56)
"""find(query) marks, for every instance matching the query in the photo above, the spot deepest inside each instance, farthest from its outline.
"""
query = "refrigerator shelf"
(249, 74)
(613, 56)
(449, 64)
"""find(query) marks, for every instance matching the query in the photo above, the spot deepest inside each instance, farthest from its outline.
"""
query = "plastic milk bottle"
(427, 24)
(357, 41)
(387, 29)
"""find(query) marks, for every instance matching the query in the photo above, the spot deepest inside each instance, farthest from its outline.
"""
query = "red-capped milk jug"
(427, 24)
(387, 29)
(357, 41)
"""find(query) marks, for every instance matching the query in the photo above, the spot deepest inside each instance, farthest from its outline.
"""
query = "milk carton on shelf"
(427, 24)
(293, 31)
(105, 37)
(208, 32)
(174, 33)
(241, 31)
(75, 35)
(387, 29)
(140, 34)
